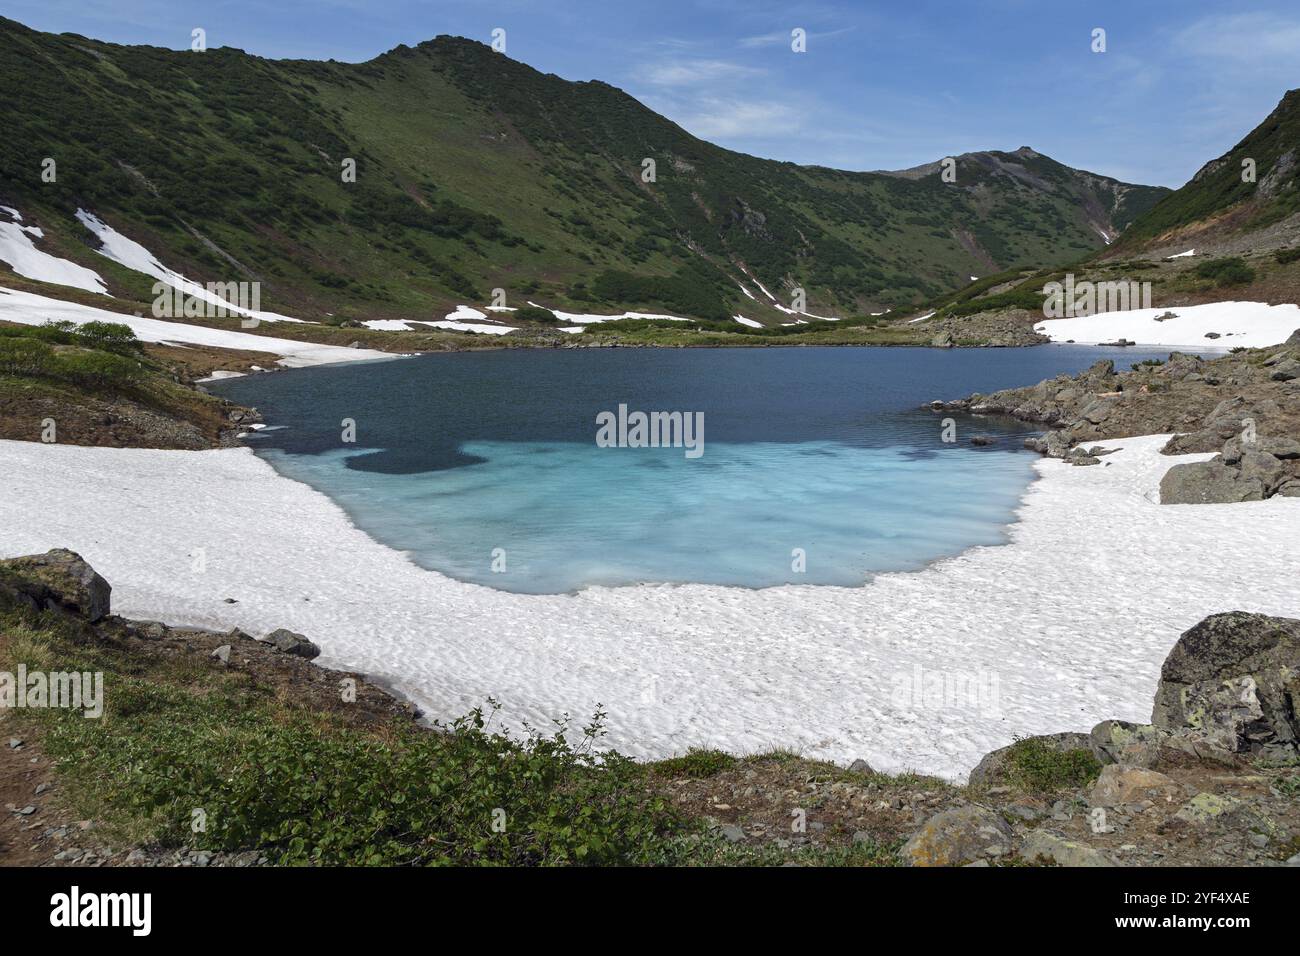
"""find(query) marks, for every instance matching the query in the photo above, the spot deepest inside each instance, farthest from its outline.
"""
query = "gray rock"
(732, 833)
(956, 837)
(287, 642)
(1286, 371)
(222, 653)
(1233, 679)
(1118, 741)
(1207, 482)
(60, 579)
(860, 766)
(1040, 845)
(943, 340)
(1119, 785)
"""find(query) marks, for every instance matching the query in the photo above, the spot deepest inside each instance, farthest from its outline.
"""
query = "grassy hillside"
(476, 172)
(1220, 201)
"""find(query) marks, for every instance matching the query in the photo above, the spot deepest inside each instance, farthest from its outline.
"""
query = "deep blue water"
(814, 458)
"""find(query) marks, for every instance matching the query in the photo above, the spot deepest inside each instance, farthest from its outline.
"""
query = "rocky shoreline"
(1245, 406)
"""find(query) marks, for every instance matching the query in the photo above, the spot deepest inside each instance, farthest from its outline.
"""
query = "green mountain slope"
(1220, 201)
(475, 173)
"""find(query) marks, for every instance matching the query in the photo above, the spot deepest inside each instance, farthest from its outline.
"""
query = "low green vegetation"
(696, 762)
(1287, 256)
(181, 740)
(1226, 272)
(97, 355)
(532, 315)
(1032, 764)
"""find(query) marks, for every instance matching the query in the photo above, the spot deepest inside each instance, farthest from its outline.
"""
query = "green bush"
(25, 356)
(1286, 256)
(1034, 765)
(1232, 271)
(536, 316)
(108, 337)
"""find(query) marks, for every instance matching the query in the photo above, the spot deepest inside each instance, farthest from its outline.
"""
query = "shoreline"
(824, 670)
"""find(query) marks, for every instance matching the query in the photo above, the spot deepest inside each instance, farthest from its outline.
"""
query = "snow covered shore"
(1251, 324)
(1072, 618)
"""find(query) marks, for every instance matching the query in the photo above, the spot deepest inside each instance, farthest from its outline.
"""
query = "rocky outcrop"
(1246, 470)
(1234, 679)
(56, 580)
(1244, 406)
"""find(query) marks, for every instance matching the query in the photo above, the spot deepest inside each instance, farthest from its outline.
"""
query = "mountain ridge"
(476, 172)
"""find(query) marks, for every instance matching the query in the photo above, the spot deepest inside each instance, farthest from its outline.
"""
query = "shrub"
(25, 356)
(1032, 764)
(697, 762)
(531, 313)
(1286, 256)
(109, 337)
(1232, 271)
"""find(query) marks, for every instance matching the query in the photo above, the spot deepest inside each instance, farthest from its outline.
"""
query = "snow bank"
(1072, 617)
(750, 322)
(17, 249)
(580, 318)
(1252, 324)
(30, 309)
(129, 253)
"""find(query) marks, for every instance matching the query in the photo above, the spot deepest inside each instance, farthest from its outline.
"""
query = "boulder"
(1055, 444)
(943, 340)
(1119, 785)
(957, 837)
(1206, 808)
(1118, 741)
(1285, 371)
(287, 642)
(1233, 680)
(58, 579)
(1208, 482)
(1040, 845)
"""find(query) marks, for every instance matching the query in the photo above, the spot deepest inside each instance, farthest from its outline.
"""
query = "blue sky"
(883, 85)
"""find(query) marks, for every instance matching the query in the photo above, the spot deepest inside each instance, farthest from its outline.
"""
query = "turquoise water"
(818, 466)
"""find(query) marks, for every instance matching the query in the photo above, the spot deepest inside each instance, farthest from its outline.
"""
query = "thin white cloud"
(734, 118)
(784, 37)
(691, 72)
(1245, 38)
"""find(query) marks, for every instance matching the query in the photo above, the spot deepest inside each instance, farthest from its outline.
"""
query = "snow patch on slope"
(18, 250)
